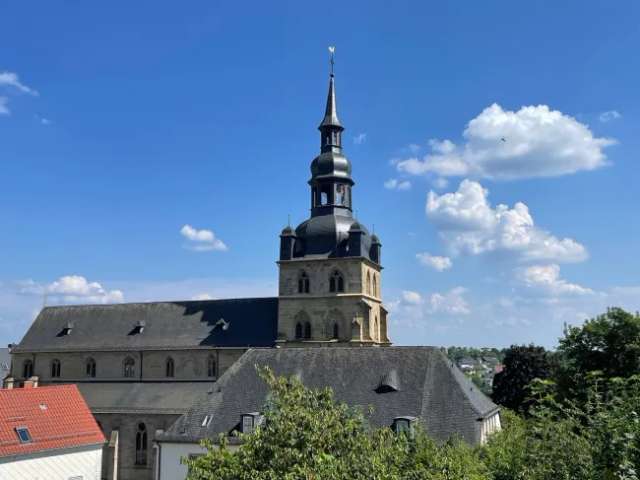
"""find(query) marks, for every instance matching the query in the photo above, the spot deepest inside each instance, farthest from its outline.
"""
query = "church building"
(161, 376)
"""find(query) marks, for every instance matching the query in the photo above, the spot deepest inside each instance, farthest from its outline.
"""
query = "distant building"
(48, 433)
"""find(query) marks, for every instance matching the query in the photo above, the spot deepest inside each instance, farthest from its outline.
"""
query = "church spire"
(330, 127)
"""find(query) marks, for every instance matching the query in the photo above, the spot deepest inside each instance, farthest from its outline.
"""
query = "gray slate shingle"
(430, 388)
(175, 325)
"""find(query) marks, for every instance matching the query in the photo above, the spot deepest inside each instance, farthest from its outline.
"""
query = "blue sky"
(120, 123)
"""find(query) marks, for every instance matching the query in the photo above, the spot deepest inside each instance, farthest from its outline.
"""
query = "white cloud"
(609, 115)
(4, 110)
(547, 279)
(75, 288)
(10, 79)
(71, 289)
(395, 184)
(535, 141)
(202, 296)
(411, 297)
(433, 261)
(202, 240)
(469, 224)
(450, 303)
(360, 138)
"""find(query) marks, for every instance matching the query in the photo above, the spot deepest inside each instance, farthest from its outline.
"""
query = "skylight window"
(23, 434)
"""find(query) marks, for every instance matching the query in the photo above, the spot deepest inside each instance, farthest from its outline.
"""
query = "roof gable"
(55, 417)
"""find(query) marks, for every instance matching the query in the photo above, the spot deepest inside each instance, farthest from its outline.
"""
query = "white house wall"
(85, 464)
(170, 454)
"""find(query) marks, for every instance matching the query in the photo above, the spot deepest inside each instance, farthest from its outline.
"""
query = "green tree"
(608, 345)
(522, 364)
(308, 435)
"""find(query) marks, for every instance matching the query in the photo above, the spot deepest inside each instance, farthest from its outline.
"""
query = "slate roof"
(429, 386)
(143, 397)
(56, 417)
(172, 325)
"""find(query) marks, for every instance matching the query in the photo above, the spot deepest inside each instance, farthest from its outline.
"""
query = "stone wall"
(357, 310)
(189, 365)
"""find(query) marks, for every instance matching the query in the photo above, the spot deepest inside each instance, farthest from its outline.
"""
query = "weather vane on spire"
(332, 51)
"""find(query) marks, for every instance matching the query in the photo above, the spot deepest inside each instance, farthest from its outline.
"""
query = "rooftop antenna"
(45, 295)
(288, 219)
(332, 51)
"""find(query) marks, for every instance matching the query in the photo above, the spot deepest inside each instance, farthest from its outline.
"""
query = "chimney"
(32, 382)
(8, 382)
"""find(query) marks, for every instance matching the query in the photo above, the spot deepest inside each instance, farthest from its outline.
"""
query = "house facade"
(48, 433)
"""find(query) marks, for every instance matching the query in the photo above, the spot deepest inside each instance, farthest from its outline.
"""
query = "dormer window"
(336, 282)
(250, 421)
(139, 328)
(303, 282)
(66, 330)
(404, 425)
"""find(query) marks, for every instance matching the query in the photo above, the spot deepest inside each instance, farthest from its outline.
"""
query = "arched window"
(368, 284)
(27, 369)
(336, 282)
(90, 367)
(211, 366)
(307, 330)
(375, 285)
(170, 368)
(336, 331)
(129, 367)
(298, 331)
(141, 444)
(303, 282)
(55, 368)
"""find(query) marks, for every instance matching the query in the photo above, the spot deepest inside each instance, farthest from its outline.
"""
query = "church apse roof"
(172, 325)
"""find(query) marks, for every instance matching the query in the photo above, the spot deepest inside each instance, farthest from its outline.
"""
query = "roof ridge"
(154, 302)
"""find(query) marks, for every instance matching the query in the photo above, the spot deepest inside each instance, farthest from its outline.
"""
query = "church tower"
(330, 271)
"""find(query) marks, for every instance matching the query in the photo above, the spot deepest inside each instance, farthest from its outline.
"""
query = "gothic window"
(336, 282)
(303, 282)
(90, 367)
(55, 368)
(307, 331)
(298, 331)
(336, 331)
(129, 367)
(375, 286)
(368, 285)
(170, 368)
(211, 366)
(141, 444)
(27, 369)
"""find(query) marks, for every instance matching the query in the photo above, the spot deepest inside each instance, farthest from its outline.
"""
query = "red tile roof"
(56, 416)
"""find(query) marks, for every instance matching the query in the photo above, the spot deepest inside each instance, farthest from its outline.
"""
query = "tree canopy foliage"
(522, 364)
